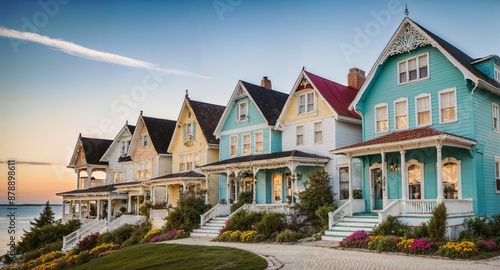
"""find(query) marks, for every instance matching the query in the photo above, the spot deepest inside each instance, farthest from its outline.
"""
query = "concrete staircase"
(350, 224)
(211, 228)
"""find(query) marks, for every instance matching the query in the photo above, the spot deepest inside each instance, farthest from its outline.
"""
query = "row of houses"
(421, 128)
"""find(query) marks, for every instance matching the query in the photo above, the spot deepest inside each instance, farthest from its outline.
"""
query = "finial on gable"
(303, 67)
(187, 94)
(141, 112)
(126, 122)
(406, 11)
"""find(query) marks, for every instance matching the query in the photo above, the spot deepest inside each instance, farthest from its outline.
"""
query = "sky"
(70, 67)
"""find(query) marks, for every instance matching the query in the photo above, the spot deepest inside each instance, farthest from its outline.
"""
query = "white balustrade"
(340, 213)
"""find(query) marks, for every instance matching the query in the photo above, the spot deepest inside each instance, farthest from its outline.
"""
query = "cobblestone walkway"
(320, 255)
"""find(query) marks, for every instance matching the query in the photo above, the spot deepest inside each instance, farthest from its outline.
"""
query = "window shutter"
(193, 127)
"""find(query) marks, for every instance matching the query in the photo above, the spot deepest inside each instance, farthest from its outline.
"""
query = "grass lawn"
(166, 256)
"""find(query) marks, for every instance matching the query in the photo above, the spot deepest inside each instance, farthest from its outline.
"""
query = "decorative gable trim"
(409, 39)
(123, 132)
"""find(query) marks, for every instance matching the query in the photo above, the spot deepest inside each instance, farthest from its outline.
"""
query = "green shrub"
(138, 234)
(322, 214)
(259, 238)
(121, 234)
(83, 257)
(318, 192)
(88, 242)
(271, 223)
(479, 226)
(243, 198)
(49, 233)
(418, 232)
(244, 221)
(437, 224)
(289, 236)
(391, 226)
(104, 238)
(186, 215)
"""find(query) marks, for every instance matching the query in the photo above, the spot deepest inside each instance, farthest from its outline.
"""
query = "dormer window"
(414, 69)
(242, 112)
(497, 73)
(306, 103)
(188, 133)
(145, 141)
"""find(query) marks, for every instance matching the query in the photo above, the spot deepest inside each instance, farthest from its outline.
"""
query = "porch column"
(228, 191)
(70, 209)
(384, 178)
(88, 209)
(129, 203)
(254, 183)
(349, 161)
(78, 179)
(439, 168)
(404, 185)
(109, 209)
(206, 188)
(89, 177)
(98, 214)
(167, 195)
(153, 194)
(63, 210)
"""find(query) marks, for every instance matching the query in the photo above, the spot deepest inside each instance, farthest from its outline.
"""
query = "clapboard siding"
(442, 75)
(347, 134)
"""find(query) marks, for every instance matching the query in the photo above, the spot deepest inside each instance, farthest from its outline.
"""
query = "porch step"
(351, 224)
(211, 228)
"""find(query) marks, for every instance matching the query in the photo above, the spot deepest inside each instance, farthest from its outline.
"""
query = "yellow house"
(193, 145)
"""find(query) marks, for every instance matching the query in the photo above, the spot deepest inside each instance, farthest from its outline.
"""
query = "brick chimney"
(266, 83)
(356, 78)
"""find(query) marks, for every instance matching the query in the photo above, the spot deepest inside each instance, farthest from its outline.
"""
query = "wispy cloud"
(83, 52)
(35, 163)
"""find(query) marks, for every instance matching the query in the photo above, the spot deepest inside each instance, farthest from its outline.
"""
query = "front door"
(377, 191)
(277, 187)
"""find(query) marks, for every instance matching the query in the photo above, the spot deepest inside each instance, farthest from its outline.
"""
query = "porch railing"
(215, 211)
(393, 209)
(419, 206)
(425, 207)
(122, 220)
(283, 208)
(340, 213)
(72, 239)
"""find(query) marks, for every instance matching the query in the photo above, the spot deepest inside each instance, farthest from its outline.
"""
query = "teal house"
(251, 156)
(430, 116)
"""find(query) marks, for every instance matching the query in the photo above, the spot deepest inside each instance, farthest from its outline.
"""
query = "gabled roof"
(99, 189)
(461, 60)
(126, 129)
(207, 115)
(269, 103)
(275, 155)
(160, 131)
(93, 149)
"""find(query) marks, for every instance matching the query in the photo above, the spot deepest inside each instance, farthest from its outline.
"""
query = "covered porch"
(407, 173)
(274, 179)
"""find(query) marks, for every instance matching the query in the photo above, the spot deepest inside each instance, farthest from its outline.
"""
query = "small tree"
(317, 193)
(437, 223)
(186, 215)
(46, 217)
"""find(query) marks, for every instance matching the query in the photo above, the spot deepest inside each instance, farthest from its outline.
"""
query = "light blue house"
(251, 156)
(431, 133)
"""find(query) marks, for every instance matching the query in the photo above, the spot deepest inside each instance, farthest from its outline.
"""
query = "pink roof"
(337, 95)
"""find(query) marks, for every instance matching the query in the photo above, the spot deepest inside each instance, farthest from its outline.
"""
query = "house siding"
(442, 75)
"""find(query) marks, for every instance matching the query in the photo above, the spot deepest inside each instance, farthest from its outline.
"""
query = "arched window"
(415, 174)
(452, 186)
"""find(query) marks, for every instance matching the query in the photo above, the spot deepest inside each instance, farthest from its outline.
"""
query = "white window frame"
(244, 143)
(188, 132)
(496, 73)
(417, 124)
(189, 161)
(309, 99)
(422, 180)
(459, 174)
(301, 134)
(233, 144)
(124, 149)
(339, 168)
(318, 132)
(242, 116)
(419, 78)
(440, 93)
(495, 114)
(145, 140)
(381, 105)
(117, 177)
(399, 100)
(257, 141)
(143, 169)
(497, 174)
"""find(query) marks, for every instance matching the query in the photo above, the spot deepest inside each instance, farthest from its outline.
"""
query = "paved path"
(320, 255)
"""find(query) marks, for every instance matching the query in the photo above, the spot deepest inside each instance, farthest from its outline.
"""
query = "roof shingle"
(94, 149)
(208, 116)
(291, 153)
(270, 102)
(160, 131)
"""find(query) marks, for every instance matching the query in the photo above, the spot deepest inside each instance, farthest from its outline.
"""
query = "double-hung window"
(258, 142)
(495, 116)
(306, 103)
(233, 140)
(299, 131)
(246, 144)
(145, 141)
(413, 69)
(381, 118)
(401, 114)
(242, 112)
(318, 132)
(448, 105)
(423, 108)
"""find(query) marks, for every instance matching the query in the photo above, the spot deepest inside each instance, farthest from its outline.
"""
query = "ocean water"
(23, 215)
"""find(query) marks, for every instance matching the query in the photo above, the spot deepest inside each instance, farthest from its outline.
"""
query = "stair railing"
(340, 213)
